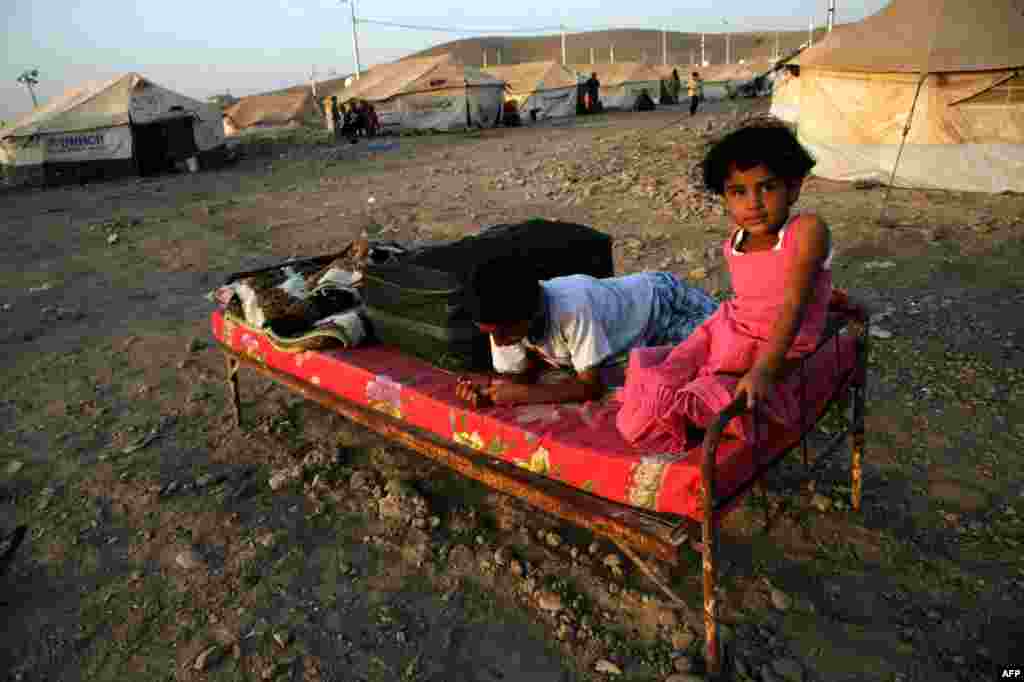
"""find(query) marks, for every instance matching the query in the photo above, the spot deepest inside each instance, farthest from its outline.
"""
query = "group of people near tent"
(354, 119)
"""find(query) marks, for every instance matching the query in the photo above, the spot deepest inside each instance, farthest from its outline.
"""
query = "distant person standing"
(695, 89)
(336, 123)
(594, 91)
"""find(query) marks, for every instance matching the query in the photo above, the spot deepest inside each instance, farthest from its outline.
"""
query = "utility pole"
(664, 47)
(591, 55)
(355, 40)
(485, 58)
(726, 40)
(702, 57)
(777, 55)
(810, 31)
(831, 14)
(611, 53)
(563, 44)
(312, 80)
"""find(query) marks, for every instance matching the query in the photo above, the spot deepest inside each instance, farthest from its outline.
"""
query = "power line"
(451, 29)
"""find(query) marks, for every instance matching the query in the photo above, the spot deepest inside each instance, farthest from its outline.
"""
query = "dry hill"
(630, 45)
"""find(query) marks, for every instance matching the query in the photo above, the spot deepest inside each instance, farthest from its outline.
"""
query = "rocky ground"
(165, 544)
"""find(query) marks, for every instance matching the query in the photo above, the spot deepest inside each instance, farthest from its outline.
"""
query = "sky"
(204, 47)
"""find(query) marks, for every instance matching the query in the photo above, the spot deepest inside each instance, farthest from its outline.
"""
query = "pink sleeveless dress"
(669, 388)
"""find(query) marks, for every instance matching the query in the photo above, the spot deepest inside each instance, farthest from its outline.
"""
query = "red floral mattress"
(577, 444)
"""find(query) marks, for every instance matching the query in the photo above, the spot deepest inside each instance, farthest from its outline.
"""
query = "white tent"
(786, 95)
(622, 83)
(121, 126)
(428, 93)
(546, 88)
(953, 70)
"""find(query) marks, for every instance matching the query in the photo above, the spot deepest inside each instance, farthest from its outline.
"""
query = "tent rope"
(899, 154)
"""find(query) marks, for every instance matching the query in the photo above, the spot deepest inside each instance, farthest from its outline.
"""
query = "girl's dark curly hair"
(765, 141)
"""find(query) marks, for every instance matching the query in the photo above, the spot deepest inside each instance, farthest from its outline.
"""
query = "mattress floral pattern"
(576, 444)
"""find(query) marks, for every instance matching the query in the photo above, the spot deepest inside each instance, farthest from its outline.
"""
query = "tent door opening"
(159, 146)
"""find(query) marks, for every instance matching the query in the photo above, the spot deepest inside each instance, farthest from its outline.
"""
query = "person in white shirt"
(577, 322)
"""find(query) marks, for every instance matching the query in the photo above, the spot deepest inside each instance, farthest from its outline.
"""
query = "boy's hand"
(756, 385)
(507, 392)
(475, 395)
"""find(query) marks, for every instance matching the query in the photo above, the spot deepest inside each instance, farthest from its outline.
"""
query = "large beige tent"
(547, 89)
(622, 82)
(280, 109)
(964, 63)
(122, 126)
(434, 93)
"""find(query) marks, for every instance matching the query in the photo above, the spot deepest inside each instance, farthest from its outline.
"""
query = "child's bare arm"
(811, 251)
(586, 385)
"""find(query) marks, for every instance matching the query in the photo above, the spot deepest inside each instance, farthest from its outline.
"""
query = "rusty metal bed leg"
(856, 447)
(709, 536)
(232, 378)
(861, 329)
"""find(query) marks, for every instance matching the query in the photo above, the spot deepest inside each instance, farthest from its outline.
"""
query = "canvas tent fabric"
(281, 109)
(548, 88)
(786, 96)
(857, 87)
(112, 123)
(622, 82)
(430, 93)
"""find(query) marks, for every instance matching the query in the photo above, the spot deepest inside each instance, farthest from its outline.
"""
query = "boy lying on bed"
(575, 322)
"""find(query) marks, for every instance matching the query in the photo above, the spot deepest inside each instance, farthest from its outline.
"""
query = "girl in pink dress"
(780, 265)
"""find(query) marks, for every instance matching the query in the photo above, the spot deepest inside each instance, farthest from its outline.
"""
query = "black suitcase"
(416, 302)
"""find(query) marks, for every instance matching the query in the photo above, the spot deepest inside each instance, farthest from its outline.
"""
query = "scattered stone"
(461, 556)
(14, 467)
(208, 658)
(283, 638)
(361, 480)
(402, 502)
(780, 600)
(112, 238)
(549, 601)
(553, 540)
(607, 667)
(788, 669)
(279, 480)
(189, 560)
(434, 521)
(612, 561)
(879, 333)
(668, 618)
(821, 502)
(266, 540)
(682, 639)
(502, 556)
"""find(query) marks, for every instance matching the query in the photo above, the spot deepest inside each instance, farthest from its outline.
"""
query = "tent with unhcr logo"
(124, 126)
(428, 93)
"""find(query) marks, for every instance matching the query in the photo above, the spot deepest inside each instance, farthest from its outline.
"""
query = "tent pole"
(906, 130)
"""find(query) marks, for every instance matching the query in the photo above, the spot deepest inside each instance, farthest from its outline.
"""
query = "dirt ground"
(158, 550)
